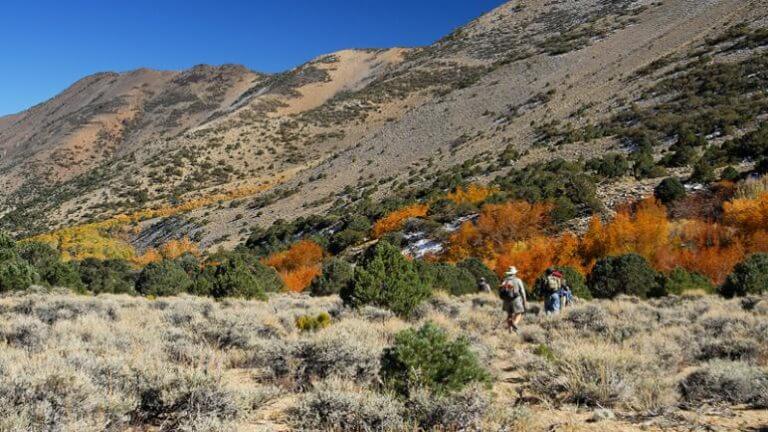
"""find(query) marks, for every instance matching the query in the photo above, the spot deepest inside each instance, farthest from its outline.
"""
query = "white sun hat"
(512, 271)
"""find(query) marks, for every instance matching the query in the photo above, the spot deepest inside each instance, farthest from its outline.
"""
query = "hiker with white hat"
(513, 294)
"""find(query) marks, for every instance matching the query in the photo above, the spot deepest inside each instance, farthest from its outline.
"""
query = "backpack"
(508, 292)
(553, 283)
(505, 294)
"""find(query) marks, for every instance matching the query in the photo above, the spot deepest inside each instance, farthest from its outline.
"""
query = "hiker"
(483, 286)
(566, 295)
(515, 302)
(553, 283)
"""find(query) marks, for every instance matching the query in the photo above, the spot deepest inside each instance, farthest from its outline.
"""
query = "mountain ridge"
(364, 118)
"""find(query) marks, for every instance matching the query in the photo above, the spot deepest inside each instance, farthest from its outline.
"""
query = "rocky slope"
(288, 144)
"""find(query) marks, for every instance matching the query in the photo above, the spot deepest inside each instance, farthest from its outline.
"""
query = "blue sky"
(47, 45)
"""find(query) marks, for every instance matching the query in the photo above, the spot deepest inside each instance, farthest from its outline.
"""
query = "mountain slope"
(370, 119)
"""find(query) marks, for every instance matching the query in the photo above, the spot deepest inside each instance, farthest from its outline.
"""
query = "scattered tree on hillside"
(625, 274)
(336, 275)
(669, 190)
(749, 277)
(385, 278)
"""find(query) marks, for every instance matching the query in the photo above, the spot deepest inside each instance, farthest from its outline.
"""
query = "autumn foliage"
(517, 233)
(394, 221)
(750, 216)
(170, 250)
(643, 229)
(298, 265)
(532, 257)
(472, 194)
(497, 229)
(108, 239)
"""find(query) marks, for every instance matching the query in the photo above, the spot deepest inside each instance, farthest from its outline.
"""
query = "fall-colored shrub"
(472, 194)
(498, 226)
(749, 215)
(707, 248)
(107, 239)
(298, 265)
(168, 251)
(298, 280)
(301, 254)
(644, 230)
(534, 256)
(394, 221)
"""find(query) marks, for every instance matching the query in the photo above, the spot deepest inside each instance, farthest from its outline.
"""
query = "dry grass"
(190, 364)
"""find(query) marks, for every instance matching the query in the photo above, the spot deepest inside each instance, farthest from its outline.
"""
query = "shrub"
(594, 375)
(395, 220)
(62, 274)
(461, 411)
(183, 400)
(479, 270)
(427, 358)
(548, 181)
(38, 254)
(332, 405)
(336, 275)
(350, 350)
(6, 241)
(726, 381)
(26, 333)
(16, 275)
(235, 274)
(670, 189)
(589, 317)
(446, 277)
(729, 173)
(680, 280)
(729, 348)
(163, 278)
(611, 165)
(625, 274)
(748, 277)
(313, 322)
(298, 265)
(682, 156)
(59, 397)
(346, 238)
(385, 278)
(703, 172)
(108, 276)
(643, 165)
